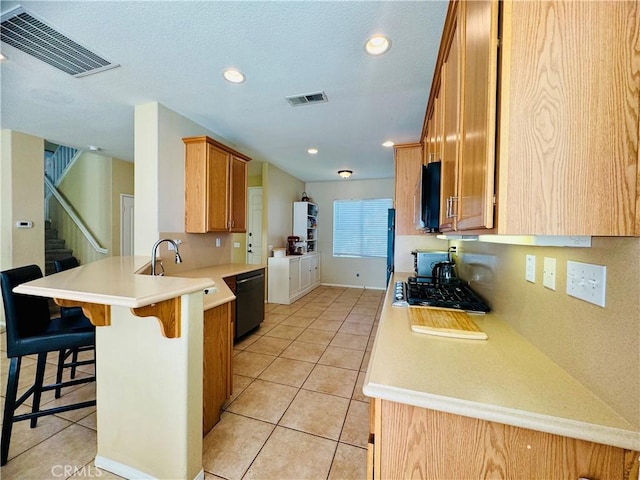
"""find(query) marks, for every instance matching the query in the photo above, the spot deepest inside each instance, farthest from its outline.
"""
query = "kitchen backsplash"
(197, 250)
(598, 346)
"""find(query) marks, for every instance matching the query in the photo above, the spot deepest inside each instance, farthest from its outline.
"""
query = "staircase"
(54, 248)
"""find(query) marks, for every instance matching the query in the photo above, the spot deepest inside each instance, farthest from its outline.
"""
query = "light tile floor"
(297, 410)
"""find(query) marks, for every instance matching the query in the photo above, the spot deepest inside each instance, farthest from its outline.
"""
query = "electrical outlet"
(587, 282)
(530, 269)
(217, 242)
(549, 273)
(170, 246)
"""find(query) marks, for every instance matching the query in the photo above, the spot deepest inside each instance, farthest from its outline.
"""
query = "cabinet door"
(315, 269)
(294, 276)
(238, 195)
(216, 364)
(450, 92)
(231, 283)
(438, 126)
(305, 272)
(478, 124)
(569, 120)
(218, 198)
(412, 439)
(196, 175)
(408, 160)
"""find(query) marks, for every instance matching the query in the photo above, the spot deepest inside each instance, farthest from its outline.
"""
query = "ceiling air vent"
(307, 99)
(23, 31)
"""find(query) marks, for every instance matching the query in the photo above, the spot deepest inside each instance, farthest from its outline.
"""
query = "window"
(360, 227)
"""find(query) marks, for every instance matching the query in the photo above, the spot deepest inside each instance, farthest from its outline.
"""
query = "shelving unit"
(305, 223)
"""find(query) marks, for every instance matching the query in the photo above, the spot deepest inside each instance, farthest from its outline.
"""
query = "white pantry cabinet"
(292, 276)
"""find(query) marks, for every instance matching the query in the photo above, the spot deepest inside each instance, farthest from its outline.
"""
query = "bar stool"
(61, 265)
(30, 330)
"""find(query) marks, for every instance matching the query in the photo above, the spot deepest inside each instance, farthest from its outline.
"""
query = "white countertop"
(117, 281)
(113, 281)
(217, 273)
(503, 379)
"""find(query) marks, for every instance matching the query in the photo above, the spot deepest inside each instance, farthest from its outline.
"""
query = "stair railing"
(56, 167)
(74, 216)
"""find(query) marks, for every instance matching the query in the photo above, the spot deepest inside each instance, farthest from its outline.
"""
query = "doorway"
(126, 225)
(254, 226)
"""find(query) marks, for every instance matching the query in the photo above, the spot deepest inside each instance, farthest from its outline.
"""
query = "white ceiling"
(174, 52)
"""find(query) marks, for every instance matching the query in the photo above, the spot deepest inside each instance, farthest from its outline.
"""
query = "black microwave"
(427, 204)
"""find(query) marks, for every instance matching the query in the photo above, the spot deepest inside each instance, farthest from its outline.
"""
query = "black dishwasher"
(249, 301)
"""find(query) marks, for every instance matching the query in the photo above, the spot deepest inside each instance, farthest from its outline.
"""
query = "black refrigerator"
(391, 236)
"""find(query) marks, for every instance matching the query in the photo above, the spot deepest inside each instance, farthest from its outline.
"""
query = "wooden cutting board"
(444, 322)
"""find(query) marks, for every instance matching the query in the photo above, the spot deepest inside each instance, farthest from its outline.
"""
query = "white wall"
(21, 198)
(280, 190)
(598, 346)
(344, 271)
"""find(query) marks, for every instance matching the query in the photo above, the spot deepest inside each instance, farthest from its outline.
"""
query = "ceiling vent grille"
(23, 31)
(307, 99)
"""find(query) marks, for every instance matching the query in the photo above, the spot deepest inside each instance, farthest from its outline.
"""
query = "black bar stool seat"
(31, 331)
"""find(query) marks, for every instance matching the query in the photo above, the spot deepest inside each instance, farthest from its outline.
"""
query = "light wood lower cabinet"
(217, 353)
(412, 442)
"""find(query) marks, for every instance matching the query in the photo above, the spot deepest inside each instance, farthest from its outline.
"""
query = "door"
(254, 227)
(391, 235)
(126, 225)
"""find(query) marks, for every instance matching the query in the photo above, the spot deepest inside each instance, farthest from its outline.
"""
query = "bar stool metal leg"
(9, 407)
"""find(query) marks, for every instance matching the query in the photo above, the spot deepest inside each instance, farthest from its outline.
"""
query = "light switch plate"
(530, 269)
(587, 282)
(549, 274)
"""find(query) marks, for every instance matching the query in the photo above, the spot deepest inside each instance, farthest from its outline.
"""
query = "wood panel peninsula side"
(149, 385)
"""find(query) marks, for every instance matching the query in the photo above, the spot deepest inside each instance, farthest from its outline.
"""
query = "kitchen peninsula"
(457, 408)
(149, 350)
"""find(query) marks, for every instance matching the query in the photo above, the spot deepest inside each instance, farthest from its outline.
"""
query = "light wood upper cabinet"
(450, 93)
(408, 161)
(548, 122)
(569, 104)
(215, 187)
(479, 32)
(468, 91)
(238, 195)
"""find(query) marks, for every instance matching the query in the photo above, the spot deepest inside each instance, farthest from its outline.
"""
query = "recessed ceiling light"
(345, 173)
(377, 45)
(312, 151)
(233, 75)
(94, 148)
(388, 143)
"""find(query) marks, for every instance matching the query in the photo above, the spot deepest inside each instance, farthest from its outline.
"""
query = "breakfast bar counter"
(149, 367)
(503, 379)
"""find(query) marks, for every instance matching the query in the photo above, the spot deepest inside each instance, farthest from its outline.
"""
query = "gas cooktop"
(425, 291)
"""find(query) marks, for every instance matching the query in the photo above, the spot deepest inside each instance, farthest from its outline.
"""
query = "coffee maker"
(292, 245)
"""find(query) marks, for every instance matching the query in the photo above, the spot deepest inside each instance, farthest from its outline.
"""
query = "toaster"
(424, 260)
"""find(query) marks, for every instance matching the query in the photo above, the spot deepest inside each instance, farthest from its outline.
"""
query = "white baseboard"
(351, 286)
(129, 472)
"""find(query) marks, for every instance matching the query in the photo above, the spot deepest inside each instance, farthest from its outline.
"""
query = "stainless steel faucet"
(154, 251)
